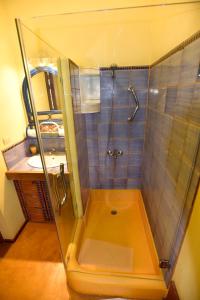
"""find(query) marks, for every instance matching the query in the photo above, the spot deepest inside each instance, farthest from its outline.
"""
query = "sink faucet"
(52, 151)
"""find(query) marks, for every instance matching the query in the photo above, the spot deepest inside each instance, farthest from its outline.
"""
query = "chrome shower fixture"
(113, 67)
(115, 153)
(135, 98)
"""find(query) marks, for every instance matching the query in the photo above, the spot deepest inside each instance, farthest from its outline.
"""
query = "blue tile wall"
(171, 152)
(109, 130)
(57, 143)
(16, 153)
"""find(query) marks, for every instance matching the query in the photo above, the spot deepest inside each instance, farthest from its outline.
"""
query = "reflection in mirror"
(45, 90)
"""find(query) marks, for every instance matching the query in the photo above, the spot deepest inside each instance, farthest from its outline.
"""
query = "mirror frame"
(25, 92)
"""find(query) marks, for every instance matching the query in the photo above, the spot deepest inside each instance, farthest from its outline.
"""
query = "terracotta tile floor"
(31, 267)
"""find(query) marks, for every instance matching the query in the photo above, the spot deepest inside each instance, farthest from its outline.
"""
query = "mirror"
(45, 91)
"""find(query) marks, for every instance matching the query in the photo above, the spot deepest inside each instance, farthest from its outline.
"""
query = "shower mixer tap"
(115, 153)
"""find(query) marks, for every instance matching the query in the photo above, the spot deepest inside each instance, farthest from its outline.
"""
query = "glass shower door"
(54, 150)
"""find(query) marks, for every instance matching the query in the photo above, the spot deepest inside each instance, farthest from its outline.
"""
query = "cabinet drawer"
(31, 195)
(36, 215)
(34, 200)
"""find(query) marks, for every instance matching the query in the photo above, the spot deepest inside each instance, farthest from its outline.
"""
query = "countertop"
(22, 171)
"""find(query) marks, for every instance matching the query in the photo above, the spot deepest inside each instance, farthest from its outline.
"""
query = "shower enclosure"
(145, 135)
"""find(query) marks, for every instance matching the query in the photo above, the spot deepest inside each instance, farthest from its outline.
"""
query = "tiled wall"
(171, 164)
(80, 131)
(109, 130)
(17, 152)
(50, 143)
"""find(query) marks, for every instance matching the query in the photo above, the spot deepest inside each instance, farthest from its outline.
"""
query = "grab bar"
(132, 90)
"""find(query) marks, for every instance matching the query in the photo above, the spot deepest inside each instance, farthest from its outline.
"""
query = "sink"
(52, 161)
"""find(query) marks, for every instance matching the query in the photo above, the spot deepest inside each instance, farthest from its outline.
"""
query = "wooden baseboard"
(17, 234)
(172, 293)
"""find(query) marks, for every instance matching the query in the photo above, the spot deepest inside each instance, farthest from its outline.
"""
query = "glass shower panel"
(123, 45)
(171, 155)
(80, 132)
(76, 131)
(46, 130)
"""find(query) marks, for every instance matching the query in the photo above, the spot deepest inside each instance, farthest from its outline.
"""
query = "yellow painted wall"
(170, 29)
(125, 37)
(12, 129)
(187, 273)
(101, 39)
(129, 37)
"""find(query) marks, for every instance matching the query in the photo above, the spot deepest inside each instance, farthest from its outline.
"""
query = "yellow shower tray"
(113, 253)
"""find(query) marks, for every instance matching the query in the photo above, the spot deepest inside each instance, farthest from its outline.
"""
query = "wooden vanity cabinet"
(34, 200)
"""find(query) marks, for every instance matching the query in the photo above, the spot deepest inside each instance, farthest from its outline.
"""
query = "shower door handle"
(136, 102)
(56, 192)
(62, 175)
(57, 179)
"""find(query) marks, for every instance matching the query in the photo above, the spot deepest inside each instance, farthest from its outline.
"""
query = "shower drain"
(113, 212)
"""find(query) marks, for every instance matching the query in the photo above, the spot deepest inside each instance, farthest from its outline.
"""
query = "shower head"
(113, 67)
